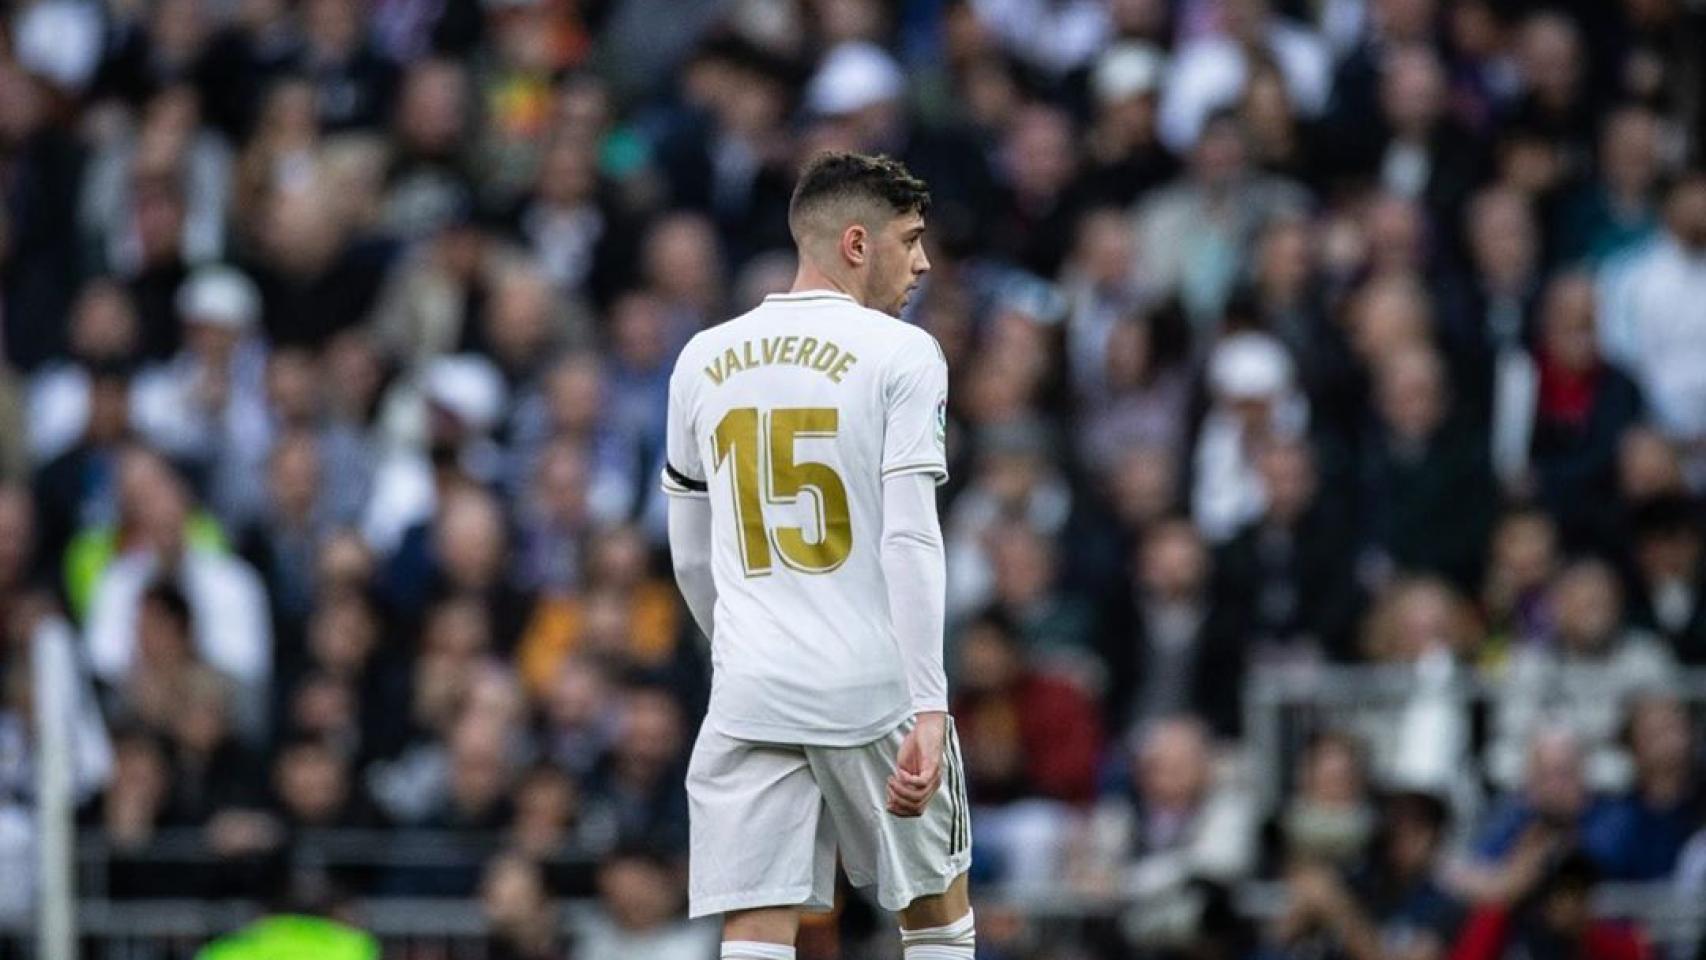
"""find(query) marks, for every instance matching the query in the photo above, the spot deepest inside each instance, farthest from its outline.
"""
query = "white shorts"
(767, 821)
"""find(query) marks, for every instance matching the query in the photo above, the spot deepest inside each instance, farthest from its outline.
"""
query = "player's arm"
(911, 555)
(690, 554)
(689, 510)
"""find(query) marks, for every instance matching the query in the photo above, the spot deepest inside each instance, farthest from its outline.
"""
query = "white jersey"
(789, 418)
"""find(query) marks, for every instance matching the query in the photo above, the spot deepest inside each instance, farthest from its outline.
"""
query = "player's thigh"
(758, 837)
(904, 857)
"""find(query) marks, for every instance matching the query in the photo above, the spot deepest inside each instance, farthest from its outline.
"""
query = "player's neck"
(810, 278)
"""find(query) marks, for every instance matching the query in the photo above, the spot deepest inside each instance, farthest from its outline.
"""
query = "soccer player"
(805, 443)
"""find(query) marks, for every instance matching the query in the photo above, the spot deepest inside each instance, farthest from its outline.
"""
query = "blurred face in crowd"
(333, 27)
(545, 805)
(1685, 213)
(302, 231)
(512, 893)
(1549, 58)
(1024, 565)
(560, 485)
(637, 892)
(342, 634)
(1285, 261)
(293, 385)
(574, 390)
(1107, 247)
(176, 30)
(1143, 485)
(1332, 774)
(1128, 357)
(1412, 90)
(103, 323)
(1503, 236)
(479, 769)
(1588, 606)
(1553, 779)
(1387, 317)
(354, 374)
(1413, 837)
(164, 514)
(579, 696)
(518, 317)
(989, 659)
(324, 707)
(162, 635)
(159, 213)
(1039, 152)
(1647, 465)
(344, 562)
(313, 782)
(649, 735)
(1220, 153)
(1173, 766)
(568, 172)
(1288, 475)
(639, 331)
(1404, 19)
(1173, 564)
(1567, 323)
(470, 540)
(1629, 151)
(620, 557)
(1525, 550)
(1268, 113)
(204, 720)
(1396, 236)
(1414, 617)
(432, 107)
(682, 259)
(1661, 737)
(294, 475)
(1412, 394)
(1668, 555)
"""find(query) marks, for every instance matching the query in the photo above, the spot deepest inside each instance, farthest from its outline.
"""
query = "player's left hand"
(918, 767)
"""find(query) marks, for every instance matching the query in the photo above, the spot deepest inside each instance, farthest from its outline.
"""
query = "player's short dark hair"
(856, 178)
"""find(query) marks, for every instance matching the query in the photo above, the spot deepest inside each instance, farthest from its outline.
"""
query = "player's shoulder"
(909, 345)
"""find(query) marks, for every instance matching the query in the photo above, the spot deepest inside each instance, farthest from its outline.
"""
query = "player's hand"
(918, 767)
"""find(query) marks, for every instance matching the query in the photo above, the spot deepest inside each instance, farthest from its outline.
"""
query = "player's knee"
(767, 926)
(950, 941)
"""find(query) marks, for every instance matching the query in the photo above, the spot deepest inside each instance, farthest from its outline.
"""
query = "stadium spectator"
(638, 913)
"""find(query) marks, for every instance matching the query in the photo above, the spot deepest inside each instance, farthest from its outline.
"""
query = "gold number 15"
(762, 447)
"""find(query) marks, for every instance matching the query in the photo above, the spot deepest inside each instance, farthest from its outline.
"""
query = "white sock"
(753, 950)
(956, 941)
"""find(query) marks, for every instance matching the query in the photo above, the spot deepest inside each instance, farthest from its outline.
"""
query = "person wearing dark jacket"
(1428, 493)
(1293, 563)
(1175, 645)
(1582, 407)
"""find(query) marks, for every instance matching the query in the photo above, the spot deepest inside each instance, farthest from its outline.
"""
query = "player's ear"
(855, 244)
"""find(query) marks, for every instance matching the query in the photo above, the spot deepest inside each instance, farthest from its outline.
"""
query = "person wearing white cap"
(1253, 383)
(440, 421)
(207, 405)
(1123, 152)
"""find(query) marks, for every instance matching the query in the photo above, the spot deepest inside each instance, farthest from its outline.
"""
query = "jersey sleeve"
(916, 415)
(683, 474)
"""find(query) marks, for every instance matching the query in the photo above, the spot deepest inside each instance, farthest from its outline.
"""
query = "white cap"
(853, 76)
(1127, 70)
(1250, 366)
(467, 386)
(219, 297)
(60, 40)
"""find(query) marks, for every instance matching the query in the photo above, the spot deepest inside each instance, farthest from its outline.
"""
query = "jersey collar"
(804, 296)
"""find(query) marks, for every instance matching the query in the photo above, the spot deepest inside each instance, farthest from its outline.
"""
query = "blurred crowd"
(1283, 334)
